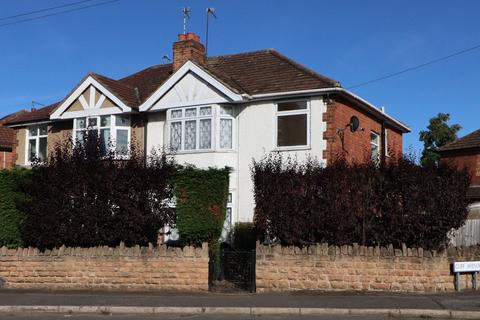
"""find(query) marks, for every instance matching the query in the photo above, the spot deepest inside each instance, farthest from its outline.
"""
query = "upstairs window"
(292, 124)
(375, 146)
(113, 130)
(193, 128)
(37, 143)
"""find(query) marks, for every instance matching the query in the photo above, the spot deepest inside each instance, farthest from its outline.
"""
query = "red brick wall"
(471, 161)
(355, 145)
(6, 159)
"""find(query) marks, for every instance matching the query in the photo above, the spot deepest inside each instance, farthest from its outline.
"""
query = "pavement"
(462, 305)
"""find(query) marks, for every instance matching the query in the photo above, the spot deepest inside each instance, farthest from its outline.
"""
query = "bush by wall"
(201, 202)
(10, 216)
(399, 202)
(244, 236)
(85, 197)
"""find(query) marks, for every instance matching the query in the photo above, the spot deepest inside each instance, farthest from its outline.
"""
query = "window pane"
(43, 130)
(205, 111)
(42, 149)
(292, 105)
(190, 135)
(32, 149)
(205, 134)
(226, 133)
(92, 122)
(122, 121)
(79, 137)
(191, 112)
(175, 135)
(226, 110)
(81, 123)
(105, 121)
(374, 144)
(122, 142)
(104, 140)
(33, 131)
(292, 130)
(175, 114)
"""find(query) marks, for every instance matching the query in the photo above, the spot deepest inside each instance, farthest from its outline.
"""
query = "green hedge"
(10, 216)
(201, 197)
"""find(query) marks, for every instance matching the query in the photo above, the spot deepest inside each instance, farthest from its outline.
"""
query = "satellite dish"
(354, 123)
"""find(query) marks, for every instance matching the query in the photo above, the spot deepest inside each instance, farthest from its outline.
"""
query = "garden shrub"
(10, 217)
(244, 236)
(396, 203)
(201, 202)
(84, 196)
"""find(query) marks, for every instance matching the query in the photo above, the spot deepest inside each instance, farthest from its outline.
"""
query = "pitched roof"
(7, 135)
(257, 72)
(470, 141)
(266, 71)
(42, 114)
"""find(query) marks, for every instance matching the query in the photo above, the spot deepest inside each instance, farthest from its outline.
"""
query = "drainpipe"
(4, 160)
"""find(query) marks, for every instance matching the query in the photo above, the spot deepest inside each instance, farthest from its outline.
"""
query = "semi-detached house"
(217, 111)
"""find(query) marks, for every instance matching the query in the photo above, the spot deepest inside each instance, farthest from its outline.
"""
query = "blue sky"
(347, 40)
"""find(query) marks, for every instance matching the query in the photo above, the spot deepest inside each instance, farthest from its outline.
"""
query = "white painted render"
(189, 90)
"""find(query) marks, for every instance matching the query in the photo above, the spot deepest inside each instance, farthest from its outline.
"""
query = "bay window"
(113, 132)
(195, 128)
(292, 124)
(37, 143)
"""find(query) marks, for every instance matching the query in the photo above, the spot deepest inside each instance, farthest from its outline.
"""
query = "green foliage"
(439, 133)
(201, 197)
(244, 236)
(10, 216)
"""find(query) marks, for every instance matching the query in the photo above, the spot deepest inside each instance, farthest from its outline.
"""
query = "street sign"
(466, 266)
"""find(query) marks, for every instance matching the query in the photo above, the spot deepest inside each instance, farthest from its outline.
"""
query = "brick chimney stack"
(188, 47)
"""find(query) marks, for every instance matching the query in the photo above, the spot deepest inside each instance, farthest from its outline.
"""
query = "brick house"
(7, 142)
(217, 111)
(465, 153)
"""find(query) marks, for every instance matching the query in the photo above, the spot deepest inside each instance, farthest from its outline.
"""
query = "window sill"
(184, 152)
(292, 148)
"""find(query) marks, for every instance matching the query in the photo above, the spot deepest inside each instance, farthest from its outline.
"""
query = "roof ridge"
(303, 68)
(240, 53)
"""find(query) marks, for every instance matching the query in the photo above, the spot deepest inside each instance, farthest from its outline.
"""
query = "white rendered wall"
(256, 125)
(254, 137)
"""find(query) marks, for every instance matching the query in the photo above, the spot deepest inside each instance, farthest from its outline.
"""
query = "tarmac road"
(47, 316)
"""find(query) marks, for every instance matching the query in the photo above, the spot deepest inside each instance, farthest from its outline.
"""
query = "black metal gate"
(235, 266)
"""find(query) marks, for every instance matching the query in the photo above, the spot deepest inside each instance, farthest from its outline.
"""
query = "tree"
(438, 134)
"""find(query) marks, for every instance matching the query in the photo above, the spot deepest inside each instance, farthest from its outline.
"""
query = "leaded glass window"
(205, 134)
(226, 133)
(190, 134)
(175, 135)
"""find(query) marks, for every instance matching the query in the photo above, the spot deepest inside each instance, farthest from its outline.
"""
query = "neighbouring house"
(7, 142)
(464, 153)
(218, 111)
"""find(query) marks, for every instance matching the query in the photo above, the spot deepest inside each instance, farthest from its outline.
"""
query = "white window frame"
(113, 130)
(215, 118)
(377, 144)
(278, 114)
(37, 142)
